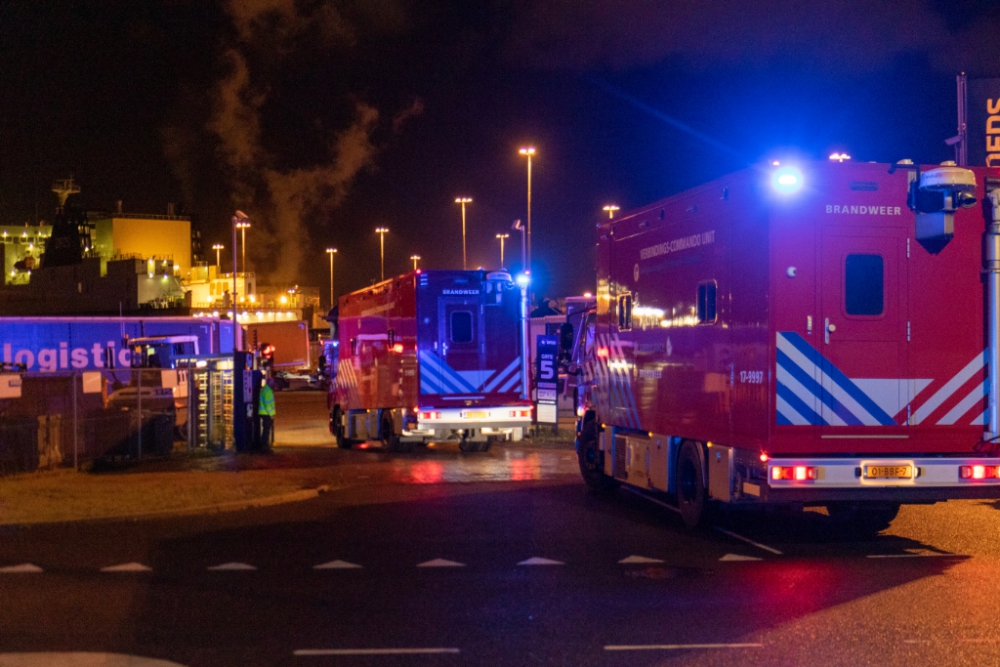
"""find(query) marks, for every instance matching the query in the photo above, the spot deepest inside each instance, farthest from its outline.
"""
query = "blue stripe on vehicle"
(816, 389)
(783, 420)
(839, 379)
(799, 405)
(444, 375)
(500, 377)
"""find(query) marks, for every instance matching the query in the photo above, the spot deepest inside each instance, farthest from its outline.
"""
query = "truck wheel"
(863, 519)
(337, 427)
(692, 495)
(591, 457)
(467, 445)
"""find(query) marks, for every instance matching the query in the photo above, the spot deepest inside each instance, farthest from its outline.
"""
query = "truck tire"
(692, 492)
(387, 434)
(337, 428)
(863, 519)
(590, 456)
(467, 445)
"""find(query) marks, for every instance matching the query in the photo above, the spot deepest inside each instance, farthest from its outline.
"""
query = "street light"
(217, 248)
(381, 231)
(239, 218)
(528, 151)
(463, 201)
(611, 208)
(242, 226)
(502, 237)
(415, 258)
(331, 252)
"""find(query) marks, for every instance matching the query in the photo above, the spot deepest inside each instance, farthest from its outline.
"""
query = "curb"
(231, 506)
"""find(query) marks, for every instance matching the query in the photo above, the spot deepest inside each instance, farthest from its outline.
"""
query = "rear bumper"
(846, 479)
(494, 417)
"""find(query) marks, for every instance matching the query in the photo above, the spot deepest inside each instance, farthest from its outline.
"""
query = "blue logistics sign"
(547, 355)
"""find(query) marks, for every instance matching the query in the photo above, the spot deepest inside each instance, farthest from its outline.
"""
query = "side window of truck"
(461, 326)
(864, 285)
(625, 312)
(706, 302)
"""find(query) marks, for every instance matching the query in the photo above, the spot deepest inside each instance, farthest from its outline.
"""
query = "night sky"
(324, 120)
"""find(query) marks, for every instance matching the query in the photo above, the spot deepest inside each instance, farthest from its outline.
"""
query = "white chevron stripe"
(966, 404)
(790, 413)
(945, 392)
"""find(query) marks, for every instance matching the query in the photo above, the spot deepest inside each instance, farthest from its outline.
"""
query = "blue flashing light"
(522, 280)
(787, 180)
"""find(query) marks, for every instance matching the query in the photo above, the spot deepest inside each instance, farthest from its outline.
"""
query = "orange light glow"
(602, 352)
(764, 457)
(800, 473)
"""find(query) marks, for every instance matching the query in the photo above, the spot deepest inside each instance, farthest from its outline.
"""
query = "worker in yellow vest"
(266, 412)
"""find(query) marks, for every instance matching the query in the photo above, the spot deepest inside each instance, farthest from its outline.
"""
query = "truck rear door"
(863, 324)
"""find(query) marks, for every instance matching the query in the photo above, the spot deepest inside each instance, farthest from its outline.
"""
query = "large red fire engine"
(822, 335)
(431, 356)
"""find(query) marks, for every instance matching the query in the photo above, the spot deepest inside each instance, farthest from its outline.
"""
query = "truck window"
(864, 284)
(461, 326)
(706, 302)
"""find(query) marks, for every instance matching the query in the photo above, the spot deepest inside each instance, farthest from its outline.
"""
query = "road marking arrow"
(23, 568)
(638, 559)
(127, 567)
(232, 567)
(535, 560)
(441, 562)
(337, 565)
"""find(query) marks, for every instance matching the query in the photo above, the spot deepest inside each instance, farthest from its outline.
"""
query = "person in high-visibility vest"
(266, 412)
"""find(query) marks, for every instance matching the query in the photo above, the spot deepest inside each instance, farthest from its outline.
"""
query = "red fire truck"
(430, 356)
(820, 335)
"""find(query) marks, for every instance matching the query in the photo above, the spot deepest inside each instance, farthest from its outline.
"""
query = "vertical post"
(961, 147)
(236, 336)
(76, 460)
(192, 420)
(139, 409)
(525, 342)
(992, 270)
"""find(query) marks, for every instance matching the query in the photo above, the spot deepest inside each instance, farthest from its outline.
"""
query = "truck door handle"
(827, 329)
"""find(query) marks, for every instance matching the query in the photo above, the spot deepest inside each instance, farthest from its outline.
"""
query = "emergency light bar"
(786, 180)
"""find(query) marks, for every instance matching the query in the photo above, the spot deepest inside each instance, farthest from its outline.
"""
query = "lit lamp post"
(502, 238)
(242, 226)
(463, 201)
(218, 247)
(611, 208)
(239, 218)
(528, 151)
(331, 252)
(415, 258)
(381, 231)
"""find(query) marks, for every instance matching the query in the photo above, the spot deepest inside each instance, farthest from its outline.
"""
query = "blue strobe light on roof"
(787, 180)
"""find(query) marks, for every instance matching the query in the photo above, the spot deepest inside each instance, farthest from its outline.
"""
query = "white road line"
(911, 555)
(535, 560)
(127, 567)
(441, 562)
(738, 557)
(638, 559)
(23, 568)
(676, 647)
(749, 541)
(337, 565)
(373, 651)
(231, 567)
(650, 499)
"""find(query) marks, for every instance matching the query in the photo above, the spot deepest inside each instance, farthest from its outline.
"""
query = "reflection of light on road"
(525, 469)
(424, 472)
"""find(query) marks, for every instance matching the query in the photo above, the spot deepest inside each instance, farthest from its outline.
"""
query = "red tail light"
(430, 415)
(520, 413)
(979, 472)
(794, 473)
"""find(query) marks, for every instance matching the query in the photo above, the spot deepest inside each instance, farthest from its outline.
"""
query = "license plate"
(476, 415)
(889, 472)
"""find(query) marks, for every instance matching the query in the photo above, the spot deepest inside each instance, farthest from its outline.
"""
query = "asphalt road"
(504, 558)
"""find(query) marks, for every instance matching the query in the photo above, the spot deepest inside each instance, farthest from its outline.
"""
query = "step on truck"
(818, 335)
(430, 356)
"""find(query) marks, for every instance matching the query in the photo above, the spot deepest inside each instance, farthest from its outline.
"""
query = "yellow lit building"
(157, 237)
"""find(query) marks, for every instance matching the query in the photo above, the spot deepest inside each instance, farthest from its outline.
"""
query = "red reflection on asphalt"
(425, 472)
(526, 469)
